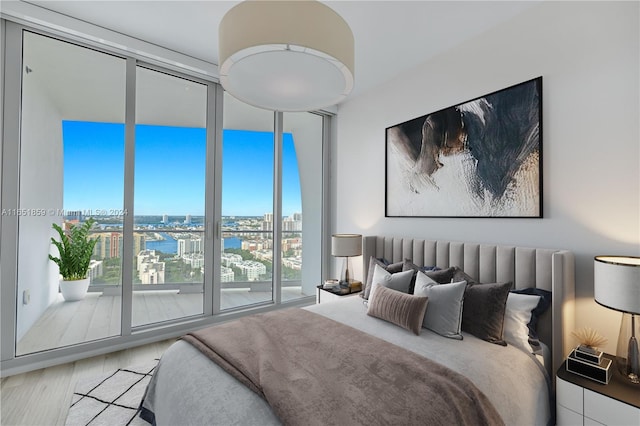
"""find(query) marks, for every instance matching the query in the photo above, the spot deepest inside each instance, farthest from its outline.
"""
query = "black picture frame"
(478, 159)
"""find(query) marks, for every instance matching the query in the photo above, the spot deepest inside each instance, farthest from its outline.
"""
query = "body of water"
(170, 245)
(232, 242)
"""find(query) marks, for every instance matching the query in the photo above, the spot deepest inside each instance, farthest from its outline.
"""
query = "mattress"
(188, 388)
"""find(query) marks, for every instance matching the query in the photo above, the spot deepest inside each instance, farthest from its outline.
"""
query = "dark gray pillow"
(404, 310)
(460, 275)
(483, 311)
(443, 276)
(408, 265)
(390, 267)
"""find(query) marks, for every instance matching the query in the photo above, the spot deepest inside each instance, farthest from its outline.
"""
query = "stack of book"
(330, 284)
(589, 362)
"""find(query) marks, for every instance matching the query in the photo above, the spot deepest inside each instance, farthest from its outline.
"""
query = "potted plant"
(75, 250)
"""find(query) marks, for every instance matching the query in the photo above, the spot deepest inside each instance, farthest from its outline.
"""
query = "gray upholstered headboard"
(548, 269)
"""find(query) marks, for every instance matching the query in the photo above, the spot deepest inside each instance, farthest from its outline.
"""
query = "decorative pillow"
(517, 316)
(409, 265)
(398, 308)
(443, 276)
(444, 315)
(383, 263)
(399, 281)
(483, 311)
(543, 305)
(460, 275)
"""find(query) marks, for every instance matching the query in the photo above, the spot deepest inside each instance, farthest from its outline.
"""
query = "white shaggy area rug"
(112, 399)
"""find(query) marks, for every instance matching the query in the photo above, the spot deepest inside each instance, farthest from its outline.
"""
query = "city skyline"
(170, 170)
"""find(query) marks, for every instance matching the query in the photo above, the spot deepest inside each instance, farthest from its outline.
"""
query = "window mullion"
(129, 172)
(277, 208)
(213, 193)
(10, 157)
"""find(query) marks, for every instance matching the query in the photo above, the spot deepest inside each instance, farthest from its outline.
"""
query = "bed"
(189, 388)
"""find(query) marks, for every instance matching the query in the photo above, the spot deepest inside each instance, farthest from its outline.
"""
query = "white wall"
(588, 55)
(40, 188)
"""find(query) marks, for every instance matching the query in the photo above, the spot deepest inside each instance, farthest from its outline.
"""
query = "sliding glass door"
(246, 260)
(71, 169)
(169, 197)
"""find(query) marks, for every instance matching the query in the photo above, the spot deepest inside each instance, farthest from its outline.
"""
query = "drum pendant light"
(286, 55)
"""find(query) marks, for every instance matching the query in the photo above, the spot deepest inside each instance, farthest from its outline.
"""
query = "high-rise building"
(109, 244)
(95, 269)
(226, 274)
(165, 219)
(252, 269)
(187, 219)
(289, 224)
(189, 244)
(267, 222)
(150, 269)
(196, 260)
(230, 259)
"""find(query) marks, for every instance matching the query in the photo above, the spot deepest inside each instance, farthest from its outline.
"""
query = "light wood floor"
(42, 397)
(98, 316)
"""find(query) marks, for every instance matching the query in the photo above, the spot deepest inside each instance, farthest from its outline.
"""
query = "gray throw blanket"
(316, 371)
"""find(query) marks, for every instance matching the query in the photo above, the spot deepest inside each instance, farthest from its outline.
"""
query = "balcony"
(97, 316)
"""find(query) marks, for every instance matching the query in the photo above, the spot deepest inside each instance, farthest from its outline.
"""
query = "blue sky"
(170, 169)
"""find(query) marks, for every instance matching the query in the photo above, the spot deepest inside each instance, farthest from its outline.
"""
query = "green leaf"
(74, 249)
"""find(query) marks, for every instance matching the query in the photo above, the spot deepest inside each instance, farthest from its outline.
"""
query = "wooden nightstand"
(324, 296)
(580, 401)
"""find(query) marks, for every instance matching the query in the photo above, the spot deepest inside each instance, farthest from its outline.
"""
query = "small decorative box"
(600, 372)
(588, 354)
(330, 284)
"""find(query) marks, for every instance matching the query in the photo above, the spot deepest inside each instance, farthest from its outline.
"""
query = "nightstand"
(324, 296)
(580, 401)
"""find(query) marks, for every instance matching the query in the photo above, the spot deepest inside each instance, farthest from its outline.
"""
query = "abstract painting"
(481, 158)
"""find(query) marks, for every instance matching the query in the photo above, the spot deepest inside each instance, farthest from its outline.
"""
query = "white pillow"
(444, 311)
(399, 281)
(516, 317)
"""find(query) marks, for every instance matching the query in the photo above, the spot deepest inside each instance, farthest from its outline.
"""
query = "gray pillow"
(391, 267)
(399, 281)
(444, 314)
(483, 312)
(398, 308)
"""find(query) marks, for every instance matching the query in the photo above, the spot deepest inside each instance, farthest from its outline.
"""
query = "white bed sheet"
(188, 388)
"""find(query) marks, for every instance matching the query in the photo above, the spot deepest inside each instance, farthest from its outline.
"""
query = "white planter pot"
(74, 290)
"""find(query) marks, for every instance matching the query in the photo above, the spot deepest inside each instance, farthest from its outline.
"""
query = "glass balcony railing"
(173, 259)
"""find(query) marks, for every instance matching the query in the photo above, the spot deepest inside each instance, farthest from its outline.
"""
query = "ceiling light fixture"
(286, 55)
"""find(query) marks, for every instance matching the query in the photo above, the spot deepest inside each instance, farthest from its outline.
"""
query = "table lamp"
(347, 245)
(616, 285)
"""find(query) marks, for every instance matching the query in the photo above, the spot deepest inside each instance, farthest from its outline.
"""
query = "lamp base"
(628, 353)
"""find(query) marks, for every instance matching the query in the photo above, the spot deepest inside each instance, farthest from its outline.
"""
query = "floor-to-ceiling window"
(203, 205)
(246, 261)
(169, 197)
(71, 167)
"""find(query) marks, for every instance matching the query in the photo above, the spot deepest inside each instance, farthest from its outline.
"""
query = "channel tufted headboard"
(548, 269)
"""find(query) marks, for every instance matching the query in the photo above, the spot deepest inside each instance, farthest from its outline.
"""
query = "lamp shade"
(346, 245)
(616, 282)
(286, 55)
